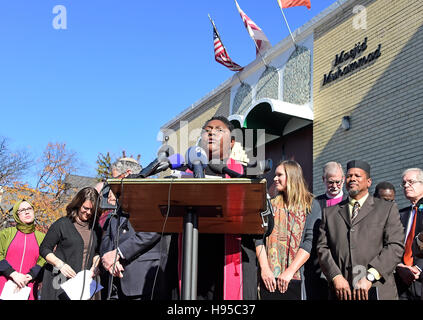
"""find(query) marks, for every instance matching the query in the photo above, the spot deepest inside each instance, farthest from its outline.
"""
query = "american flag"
(262, 43)
(220, 53)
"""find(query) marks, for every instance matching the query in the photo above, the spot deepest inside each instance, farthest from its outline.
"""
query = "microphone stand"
(190, 245)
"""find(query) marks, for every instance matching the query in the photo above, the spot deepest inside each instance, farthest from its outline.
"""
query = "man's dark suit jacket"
(374, 239)
(143, 253)
(323, 283)
(417, 258)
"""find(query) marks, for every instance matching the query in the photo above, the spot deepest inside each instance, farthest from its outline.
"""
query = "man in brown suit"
(361, 241)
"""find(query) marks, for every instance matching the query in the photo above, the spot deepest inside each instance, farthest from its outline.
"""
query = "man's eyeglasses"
(337, 182)
(216, 130)
(29, 209)
(409, 182)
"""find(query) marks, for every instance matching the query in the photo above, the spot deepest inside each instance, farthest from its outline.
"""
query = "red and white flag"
(262, 43)
(220, 53)
(294, 3)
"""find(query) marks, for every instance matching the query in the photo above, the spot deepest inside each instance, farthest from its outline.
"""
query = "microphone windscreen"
(196, 156)
(217, 167)
(176, 161)
(164, 152)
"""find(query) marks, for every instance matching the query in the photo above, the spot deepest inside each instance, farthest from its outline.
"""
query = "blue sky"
(120, 70)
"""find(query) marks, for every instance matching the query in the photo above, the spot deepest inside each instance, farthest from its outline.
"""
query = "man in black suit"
(138, 260)
(408, 273)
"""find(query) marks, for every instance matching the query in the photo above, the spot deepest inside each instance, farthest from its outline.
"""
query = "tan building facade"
(383, 97)
(359, 59)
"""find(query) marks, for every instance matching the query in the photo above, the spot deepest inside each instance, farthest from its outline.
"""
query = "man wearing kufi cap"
(361, 241)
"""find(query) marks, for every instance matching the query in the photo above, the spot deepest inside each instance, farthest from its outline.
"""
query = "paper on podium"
(9, 293)
(73, 287)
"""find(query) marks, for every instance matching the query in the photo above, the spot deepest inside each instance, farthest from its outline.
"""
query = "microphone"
(255, 168)
(104, 203)
(162, 155)
(266, 165)
(164, 152)
(175, 161)
(197, 160)
(221, 168)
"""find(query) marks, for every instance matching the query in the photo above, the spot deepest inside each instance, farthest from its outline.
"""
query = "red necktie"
(408, 254)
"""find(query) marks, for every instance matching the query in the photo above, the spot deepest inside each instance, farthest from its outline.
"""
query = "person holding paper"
(20, 260)
(67, 246)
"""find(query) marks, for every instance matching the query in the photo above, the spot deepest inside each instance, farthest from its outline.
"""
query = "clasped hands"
(343, 290)
(408, 274)
(281, 282)
(108, 261)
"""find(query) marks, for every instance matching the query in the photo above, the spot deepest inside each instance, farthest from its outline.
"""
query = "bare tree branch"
(13, 165)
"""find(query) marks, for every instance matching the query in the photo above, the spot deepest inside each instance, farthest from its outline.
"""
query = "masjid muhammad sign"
(350, 55)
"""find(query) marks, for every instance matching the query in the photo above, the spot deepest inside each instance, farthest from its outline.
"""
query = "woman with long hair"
(285, 251)
(71, 244)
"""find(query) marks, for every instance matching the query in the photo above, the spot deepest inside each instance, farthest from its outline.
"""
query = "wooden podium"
(231, 206)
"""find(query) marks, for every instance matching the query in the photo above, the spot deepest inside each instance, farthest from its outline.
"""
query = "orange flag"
(294, 3)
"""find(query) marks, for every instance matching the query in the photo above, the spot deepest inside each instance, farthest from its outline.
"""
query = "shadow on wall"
(382, 133)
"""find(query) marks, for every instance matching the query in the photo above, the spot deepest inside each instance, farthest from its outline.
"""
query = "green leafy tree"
(104, 164)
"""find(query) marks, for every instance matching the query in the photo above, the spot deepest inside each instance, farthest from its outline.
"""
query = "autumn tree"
(48, 196)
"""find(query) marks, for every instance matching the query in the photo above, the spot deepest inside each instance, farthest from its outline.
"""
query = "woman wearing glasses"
(71, 244)
(20, 261)
(283, 256)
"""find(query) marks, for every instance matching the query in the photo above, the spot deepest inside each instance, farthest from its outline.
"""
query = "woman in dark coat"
(67, 246)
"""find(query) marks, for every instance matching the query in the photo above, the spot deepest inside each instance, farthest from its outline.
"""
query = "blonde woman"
(283, 255)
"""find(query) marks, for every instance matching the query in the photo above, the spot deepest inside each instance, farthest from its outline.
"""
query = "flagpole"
(217, 32)
(258, 51)
(255, 43)
(289, 29)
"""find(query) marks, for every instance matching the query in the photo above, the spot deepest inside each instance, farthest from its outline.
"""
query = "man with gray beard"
(360, 241)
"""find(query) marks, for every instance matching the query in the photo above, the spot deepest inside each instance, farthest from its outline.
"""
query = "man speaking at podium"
(226, 263)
